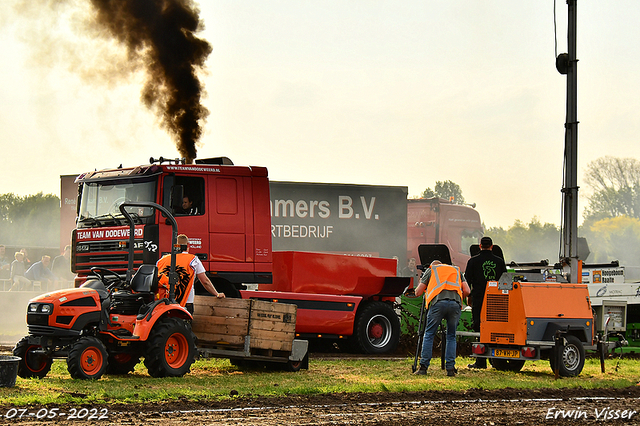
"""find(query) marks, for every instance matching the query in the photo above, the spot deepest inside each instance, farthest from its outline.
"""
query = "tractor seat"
(145, 280)
(142, 290)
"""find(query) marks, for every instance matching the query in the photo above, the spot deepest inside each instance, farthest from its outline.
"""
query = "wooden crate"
(272, 325)
(220, 322)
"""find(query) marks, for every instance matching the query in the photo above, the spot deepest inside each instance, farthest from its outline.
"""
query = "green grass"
(217, 378)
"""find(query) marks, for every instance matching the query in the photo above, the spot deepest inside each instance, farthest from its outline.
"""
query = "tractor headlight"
(40, 308)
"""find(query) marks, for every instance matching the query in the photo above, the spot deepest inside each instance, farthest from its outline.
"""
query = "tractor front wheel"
(32, 363)
(170, 349)
(88, 359)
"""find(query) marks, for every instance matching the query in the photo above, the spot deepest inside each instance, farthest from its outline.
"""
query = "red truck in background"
(238, 218)
(438, 221)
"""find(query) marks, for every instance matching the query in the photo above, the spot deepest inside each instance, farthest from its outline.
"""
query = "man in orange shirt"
(188, 266)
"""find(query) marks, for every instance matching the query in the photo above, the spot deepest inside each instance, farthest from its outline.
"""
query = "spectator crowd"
(23, 274)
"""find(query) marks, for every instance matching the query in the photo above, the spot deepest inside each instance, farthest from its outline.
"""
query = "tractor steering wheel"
(110, 283)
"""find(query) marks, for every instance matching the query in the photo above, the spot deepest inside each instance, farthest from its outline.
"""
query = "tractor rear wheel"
(88, 359)
(377, 328)
(170, 349)
(571, 357)
(31, 364)
(514, 365)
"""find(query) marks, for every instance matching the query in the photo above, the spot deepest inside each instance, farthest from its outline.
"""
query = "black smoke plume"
(162, 34)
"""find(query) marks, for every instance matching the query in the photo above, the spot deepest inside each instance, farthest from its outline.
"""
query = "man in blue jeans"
(445, 288)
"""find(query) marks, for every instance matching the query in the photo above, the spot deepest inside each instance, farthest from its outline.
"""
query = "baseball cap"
(486, 242)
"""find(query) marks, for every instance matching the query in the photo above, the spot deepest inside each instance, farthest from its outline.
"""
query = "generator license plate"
(506, 353)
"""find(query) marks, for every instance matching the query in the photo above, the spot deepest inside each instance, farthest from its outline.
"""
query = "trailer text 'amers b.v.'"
(238, 216)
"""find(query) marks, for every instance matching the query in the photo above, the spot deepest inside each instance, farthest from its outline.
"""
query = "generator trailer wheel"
(571, 357)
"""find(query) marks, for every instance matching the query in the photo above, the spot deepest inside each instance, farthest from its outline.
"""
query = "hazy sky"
(374, 92)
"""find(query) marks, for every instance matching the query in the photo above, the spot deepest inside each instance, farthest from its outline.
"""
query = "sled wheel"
(31, 364)
(571, 357)
(122, 363)
(514, 365)
(88, 359)
(170, 349)
(377, 329)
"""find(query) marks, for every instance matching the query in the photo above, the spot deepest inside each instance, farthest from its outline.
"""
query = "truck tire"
(571, 358)
(88, 359)
(171, 348)
(514, 365)
(122, 363)
(31, 365)
(377, 328)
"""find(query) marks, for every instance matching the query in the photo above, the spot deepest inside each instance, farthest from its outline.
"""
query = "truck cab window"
(193, 199)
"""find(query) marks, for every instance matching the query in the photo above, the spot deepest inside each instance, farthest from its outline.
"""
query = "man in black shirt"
(483, 267)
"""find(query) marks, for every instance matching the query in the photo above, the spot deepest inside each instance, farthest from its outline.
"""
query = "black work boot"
(451, 372)
(422, 371)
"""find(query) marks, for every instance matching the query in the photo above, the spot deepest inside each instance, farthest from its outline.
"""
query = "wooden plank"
(217, 338)
(226, 329)
(263, 305)
(214, 321)
(226, 302)
(274, 335)
(271, 326)
(272, 344)
(221, 311)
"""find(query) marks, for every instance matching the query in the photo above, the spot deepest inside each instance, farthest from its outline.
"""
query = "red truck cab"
(438, 221)
(228, 229)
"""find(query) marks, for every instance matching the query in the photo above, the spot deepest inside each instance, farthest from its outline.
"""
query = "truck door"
(228, 224)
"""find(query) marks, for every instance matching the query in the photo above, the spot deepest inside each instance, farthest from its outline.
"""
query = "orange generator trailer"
(533, 315)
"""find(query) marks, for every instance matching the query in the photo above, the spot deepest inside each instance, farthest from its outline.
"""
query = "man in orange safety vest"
(445, 288)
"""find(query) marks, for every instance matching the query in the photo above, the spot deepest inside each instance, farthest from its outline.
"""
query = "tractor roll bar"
(174, 240)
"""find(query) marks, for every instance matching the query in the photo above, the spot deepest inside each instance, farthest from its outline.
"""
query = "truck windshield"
(100, 202)
(469, 237)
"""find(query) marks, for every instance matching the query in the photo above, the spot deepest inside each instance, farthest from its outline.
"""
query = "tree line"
(30, 220)
(611, 222)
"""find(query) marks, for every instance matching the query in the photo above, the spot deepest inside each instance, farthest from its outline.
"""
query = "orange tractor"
(110, 322)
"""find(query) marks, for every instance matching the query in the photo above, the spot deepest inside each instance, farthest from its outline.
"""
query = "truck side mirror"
(177, 194)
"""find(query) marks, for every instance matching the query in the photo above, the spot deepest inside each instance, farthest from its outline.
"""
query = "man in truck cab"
(188, 267)
(445, 288)
(188, 207)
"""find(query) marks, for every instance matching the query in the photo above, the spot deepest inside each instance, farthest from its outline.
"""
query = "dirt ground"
(476, 406)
